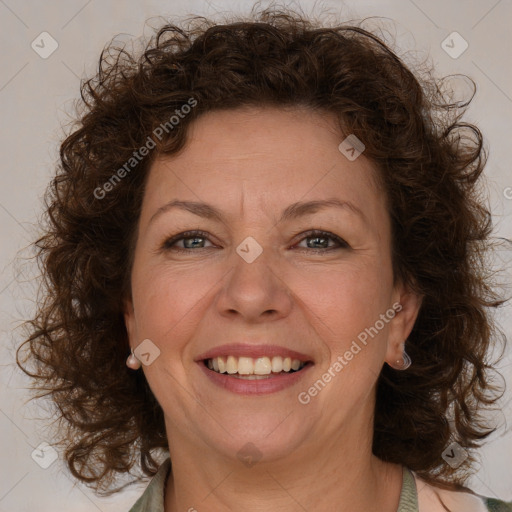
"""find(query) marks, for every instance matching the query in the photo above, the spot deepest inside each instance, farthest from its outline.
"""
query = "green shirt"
(152, 500)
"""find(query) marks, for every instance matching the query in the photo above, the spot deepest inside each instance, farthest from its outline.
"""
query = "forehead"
(262, 157)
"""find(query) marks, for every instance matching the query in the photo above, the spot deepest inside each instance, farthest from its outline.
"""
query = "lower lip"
(254, 387)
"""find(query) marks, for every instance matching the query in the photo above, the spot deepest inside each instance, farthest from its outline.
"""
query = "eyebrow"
(293, 211)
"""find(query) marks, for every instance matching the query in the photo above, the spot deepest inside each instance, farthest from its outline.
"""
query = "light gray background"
(36, 98)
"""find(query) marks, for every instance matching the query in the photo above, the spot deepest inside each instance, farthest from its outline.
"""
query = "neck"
(331, 476)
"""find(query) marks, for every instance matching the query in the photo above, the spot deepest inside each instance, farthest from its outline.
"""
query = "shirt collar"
(153, 497)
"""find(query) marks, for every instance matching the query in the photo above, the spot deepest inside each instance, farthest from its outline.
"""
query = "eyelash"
(169, 243)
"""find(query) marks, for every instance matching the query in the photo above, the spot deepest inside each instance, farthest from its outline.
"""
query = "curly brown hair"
(429, 164)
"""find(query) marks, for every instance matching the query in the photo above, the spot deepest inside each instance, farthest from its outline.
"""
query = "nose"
(255, 291)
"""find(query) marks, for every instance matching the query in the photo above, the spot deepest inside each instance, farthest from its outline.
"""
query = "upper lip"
(254, 351)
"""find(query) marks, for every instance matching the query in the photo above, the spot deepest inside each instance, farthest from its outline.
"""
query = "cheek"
(343, 303)
(168, 299)
(338, 303)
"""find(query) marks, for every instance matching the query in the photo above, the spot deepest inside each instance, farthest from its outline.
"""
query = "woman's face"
(257, 286)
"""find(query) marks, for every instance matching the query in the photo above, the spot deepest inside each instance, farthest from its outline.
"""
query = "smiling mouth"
(250, 368)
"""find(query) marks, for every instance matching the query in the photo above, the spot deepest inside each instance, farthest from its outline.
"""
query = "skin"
(252, 163)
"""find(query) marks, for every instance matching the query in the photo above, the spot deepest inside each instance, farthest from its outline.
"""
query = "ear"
(129, 321)
(407, 304)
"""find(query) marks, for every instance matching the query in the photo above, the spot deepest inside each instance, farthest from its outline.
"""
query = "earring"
(132, 362)
(404, 362)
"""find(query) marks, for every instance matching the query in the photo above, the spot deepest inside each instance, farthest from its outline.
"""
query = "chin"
(265, 439)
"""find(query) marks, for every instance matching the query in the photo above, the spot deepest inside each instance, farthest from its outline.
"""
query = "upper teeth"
(256, 366)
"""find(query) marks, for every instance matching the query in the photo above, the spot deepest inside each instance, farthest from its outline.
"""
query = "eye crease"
(170, 243)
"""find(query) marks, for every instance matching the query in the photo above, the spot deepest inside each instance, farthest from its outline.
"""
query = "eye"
(322, 239)
(191, 239)
(195, 240)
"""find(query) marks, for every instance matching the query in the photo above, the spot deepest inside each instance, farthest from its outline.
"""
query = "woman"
(278, 228)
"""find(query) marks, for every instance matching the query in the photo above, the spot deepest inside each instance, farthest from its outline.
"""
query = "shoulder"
(153, 497)
(433, 499)
(494, 505)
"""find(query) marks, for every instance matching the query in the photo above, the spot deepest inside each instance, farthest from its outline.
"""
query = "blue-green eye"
(196, 239)
(322, 238)
(191, 239)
